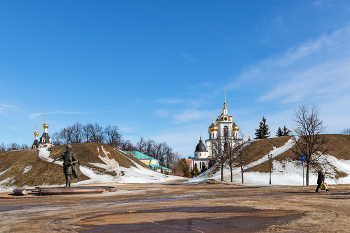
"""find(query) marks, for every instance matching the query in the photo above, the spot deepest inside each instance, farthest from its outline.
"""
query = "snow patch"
(136, 174)
(27, 169)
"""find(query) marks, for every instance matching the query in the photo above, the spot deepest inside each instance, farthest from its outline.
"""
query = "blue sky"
(158, 69)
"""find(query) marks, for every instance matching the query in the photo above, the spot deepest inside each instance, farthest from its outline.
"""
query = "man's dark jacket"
(320, 178)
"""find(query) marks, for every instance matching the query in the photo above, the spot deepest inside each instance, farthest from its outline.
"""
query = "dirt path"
(179, 208)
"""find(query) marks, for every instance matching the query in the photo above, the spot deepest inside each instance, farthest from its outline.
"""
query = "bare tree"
(149, 148)
(141, 145)
(312, 143)
(24, 147)
(218, 151)
(127, 146)
(87, 132)
(346, 131)
(112, 135)
(65, 135)
(97, 133)
(2, 147)
(13, 146)
(77, 133)
(230, 146)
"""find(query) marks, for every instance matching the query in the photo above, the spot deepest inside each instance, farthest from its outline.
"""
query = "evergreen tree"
(196, 171)
(186, 172)
(263, 131)
(279, 132)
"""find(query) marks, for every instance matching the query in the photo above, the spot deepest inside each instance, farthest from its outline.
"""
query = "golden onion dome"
(36, 134)
(45, 125)
(234, 127)
(212, 128)
(223, 117)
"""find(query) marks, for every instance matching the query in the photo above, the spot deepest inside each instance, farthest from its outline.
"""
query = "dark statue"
(70, 165)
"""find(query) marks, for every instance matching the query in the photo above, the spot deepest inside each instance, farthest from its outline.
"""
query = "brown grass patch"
(44, 173)
(339, 144)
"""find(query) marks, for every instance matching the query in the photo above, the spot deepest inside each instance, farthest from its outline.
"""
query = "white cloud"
(4, 109)
(35, 115)
(192, 115)
(162, 113)
(172, 100)
(7, 106)
(317, 70)
(187, 58)
(13, 128)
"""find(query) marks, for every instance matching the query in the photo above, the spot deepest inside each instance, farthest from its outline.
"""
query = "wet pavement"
(203, 219)
(181, 208)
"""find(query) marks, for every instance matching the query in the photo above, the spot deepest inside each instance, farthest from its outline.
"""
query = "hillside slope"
(99, 163)
(286, 167)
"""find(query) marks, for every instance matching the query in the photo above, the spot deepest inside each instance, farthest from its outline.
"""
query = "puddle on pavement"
(201, 219)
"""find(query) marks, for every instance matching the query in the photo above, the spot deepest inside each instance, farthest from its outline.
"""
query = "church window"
(225, 131)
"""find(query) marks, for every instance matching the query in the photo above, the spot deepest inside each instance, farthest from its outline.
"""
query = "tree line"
(161, 151)
(13, 146)
(79, 133)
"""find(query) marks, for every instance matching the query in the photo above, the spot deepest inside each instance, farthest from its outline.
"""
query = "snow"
(283, 173)
(136, 174)
(27, 169)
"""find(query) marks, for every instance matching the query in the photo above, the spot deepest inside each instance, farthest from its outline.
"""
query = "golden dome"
(212, 127)
(223, 117)
(36, 134)
(234, 127)
(45, 125)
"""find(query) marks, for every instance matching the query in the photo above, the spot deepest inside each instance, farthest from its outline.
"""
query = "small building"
(45, 140)
(189, 163)
(149, 161)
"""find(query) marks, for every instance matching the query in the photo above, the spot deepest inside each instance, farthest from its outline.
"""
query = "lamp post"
(270, 158)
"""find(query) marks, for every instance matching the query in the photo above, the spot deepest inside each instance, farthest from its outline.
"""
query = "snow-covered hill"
(285, 171)
(104, 168)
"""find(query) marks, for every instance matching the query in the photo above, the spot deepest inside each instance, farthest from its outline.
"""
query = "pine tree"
(196, 171)
(279, 132)
(263, 131)
(186, 172)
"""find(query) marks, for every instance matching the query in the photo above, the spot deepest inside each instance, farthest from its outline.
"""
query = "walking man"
(320, 180)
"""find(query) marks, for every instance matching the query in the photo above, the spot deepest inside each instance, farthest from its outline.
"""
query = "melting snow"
(27, 169)
(283, 173)
(136, 174)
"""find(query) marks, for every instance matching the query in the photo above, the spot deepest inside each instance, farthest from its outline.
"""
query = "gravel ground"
(176, 207)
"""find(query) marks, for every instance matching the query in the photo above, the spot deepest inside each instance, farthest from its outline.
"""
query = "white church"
(224, 127)
(45, 139)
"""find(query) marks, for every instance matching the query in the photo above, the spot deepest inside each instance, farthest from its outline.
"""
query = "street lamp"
(270, 158)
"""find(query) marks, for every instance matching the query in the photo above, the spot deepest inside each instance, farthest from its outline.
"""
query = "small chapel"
(224, 128)
(45, 140)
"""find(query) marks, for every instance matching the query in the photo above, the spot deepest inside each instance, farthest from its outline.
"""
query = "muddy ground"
(176, 207)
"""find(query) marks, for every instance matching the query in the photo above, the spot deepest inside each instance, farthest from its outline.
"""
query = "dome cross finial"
(225, 96)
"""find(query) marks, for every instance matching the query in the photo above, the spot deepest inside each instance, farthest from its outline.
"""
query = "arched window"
(225, 131)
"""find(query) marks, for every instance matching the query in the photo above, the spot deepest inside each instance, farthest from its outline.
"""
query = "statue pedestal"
(41, 191)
